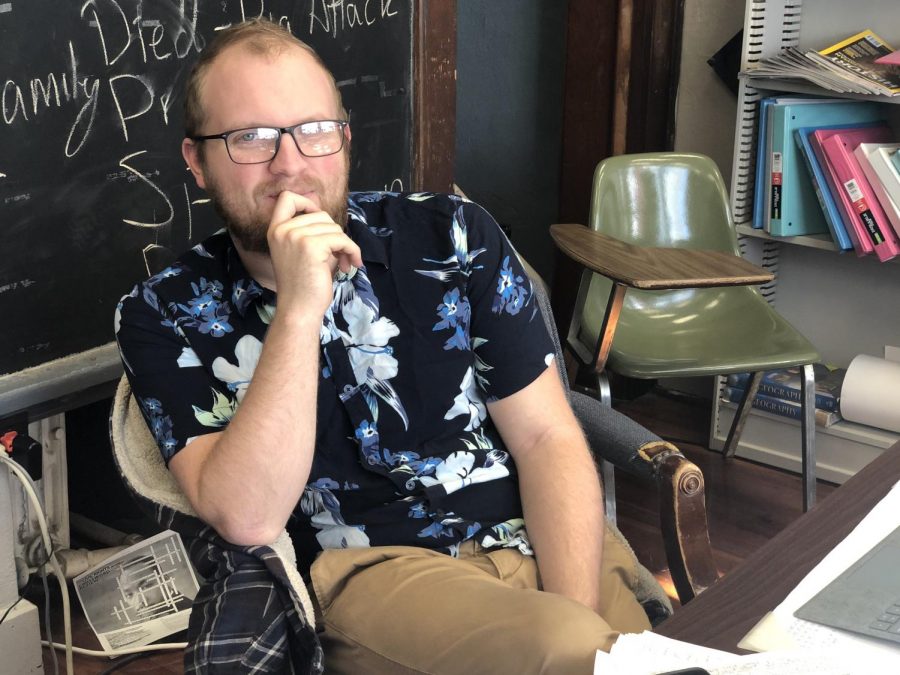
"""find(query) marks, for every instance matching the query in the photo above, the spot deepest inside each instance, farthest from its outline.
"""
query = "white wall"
(706, 108)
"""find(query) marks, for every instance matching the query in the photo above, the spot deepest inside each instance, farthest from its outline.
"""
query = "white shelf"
(774, 440)
(820, 241)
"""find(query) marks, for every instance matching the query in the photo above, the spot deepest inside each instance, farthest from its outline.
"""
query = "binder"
(866, 154)
(833, 217)
(762, 190)
(854, 192)
(793, 207)
(879, 158)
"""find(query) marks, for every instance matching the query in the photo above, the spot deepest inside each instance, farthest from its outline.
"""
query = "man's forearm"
(563, 508)
(247, 482)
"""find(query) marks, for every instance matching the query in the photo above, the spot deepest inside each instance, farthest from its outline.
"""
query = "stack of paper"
(649, 654)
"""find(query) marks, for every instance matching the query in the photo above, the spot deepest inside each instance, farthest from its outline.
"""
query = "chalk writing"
(39, 347)
(334, 16)
(17, 198)
(140, 176)
(90, 125)
(132, 95)
(24, 283)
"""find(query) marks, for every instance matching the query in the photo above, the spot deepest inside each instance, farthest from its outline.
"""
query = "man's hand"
(307, 247)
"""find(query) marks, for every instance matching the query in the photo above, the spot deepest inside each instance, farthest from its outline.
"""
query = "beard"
(248, 224)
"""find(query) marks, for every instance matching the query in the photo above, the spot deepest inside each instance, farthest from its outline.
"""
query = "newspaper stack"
(846, 67)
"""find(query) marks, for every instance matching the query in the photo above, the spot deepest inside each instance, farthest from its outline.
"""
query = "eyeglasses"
(257, 145)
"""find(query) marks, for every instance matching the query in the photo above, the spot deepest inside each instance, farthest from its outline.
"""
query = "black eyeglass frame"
(283, 130)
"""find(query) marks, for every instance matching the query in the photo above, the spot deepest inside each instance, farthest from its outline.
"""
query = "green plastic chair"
(646, 205)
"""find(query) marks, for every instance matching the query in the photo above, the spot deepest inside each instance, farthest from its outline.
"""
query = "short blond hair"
(258, 36)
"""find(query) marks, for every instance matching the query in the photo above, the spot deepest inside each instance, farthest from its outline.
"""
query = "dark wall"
(510, 65)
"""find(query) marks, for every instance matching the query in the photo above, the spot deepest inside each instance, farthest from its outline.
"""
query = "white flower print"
(247, 352)
(456, 472)
(367, 339)
(468, 402)
(188, 358)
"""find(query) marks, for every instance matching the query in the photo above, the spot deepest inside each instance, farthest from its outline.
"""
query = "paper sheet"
(781, 630)
(648, 654)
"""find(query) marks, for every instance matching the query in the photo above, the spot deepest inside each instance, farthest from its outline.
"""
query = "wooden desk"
(724, 613)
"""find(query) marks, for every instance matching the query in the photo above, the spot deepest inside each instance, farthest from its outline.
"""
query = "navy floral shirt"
(440, 319)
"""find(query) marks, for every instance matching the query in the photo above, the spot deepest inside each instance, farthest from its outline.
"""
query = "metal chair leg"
(604, 393)
(740, 417)
(607, 471)
(808, 434)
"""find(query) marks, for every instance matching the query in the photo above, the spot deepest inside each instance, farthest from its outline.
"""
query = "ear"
(348, 135)
(190, 150)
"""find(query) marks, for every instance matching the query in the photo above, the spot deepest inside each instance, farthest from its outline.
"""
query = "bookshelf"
(846, 305)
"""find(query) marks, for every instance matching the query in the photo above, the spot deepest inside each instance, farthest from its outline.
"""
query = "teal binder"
(793, 206)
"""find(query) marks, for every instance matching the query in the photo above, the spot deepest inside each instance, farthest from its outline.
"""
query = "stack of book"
(860, 64)
(779, 392)
(829, 167)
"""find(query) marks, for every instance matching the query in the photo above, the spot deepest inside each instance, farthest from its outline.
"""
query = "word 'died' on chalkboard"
(93, 190)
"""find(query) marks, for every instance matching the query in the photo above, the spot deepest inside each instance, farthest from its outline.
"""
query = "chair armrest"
(654, 268)
(629, 446)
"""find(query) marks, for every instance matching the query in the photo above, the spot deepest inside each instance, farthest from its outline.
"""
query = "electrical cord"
(162, 646)
(9, 609)
(43, 572)
(31, 491)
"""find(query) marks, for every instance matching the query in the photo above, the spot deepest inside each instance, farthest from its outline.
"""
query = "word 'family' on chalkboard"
(93, 190)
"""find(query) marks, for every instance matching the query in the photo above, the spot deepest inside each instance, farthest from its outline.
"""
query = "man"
(371, 372)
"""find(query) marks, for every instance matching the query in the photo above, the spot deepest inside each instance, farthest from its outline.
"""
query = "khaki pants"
(400, 609)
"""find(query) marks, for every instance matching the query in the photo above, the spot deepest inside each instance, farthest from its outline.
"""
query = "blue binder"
(833, 218)
(793, 208)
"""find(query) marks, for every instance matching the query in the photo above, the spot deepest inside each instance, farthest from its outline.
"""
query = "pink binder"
(867, 223)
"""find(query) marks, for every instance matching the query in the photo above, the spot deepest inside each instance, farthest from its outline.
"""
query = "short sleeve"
(177, 396)
(511, 343)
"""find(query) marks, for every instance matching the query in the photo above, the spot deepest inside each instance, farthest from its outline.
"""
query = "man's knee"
(563, 637)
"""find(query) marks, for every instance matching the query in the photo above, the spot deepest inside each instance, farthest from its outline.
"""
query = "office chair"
(611, 435)
(660, 225)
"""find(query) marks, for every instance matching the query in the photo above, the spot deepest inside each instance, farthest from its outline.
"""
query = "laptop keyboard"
(889, 621)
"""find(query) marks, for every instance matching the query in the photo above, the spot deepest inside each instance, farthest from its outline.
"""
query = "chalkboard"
(93, 189)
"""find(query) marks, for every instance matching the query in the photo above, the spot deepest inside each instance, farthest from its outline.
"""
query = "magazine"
(848, 66)
(141, 594)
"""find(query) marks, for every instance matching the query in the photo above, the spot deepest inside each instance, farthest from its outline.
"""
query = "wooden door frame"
(622, 67)
(434, 98)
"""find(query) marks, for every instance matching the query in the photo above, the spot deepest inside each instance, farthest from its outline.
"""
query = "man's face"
(241, 90)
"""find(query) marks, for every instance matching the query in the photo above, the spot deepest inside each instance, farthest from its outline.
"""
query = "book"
(849, 66)
(879, 157)
(864, 155)
(864, 240)
(860, 201)
(858, 54)
(780, 407)
(793, 207)
(784, 384)
(833, 218)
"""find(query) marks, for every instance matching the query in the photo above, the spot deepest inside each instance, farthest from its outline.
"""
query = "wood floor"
(747, 504)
